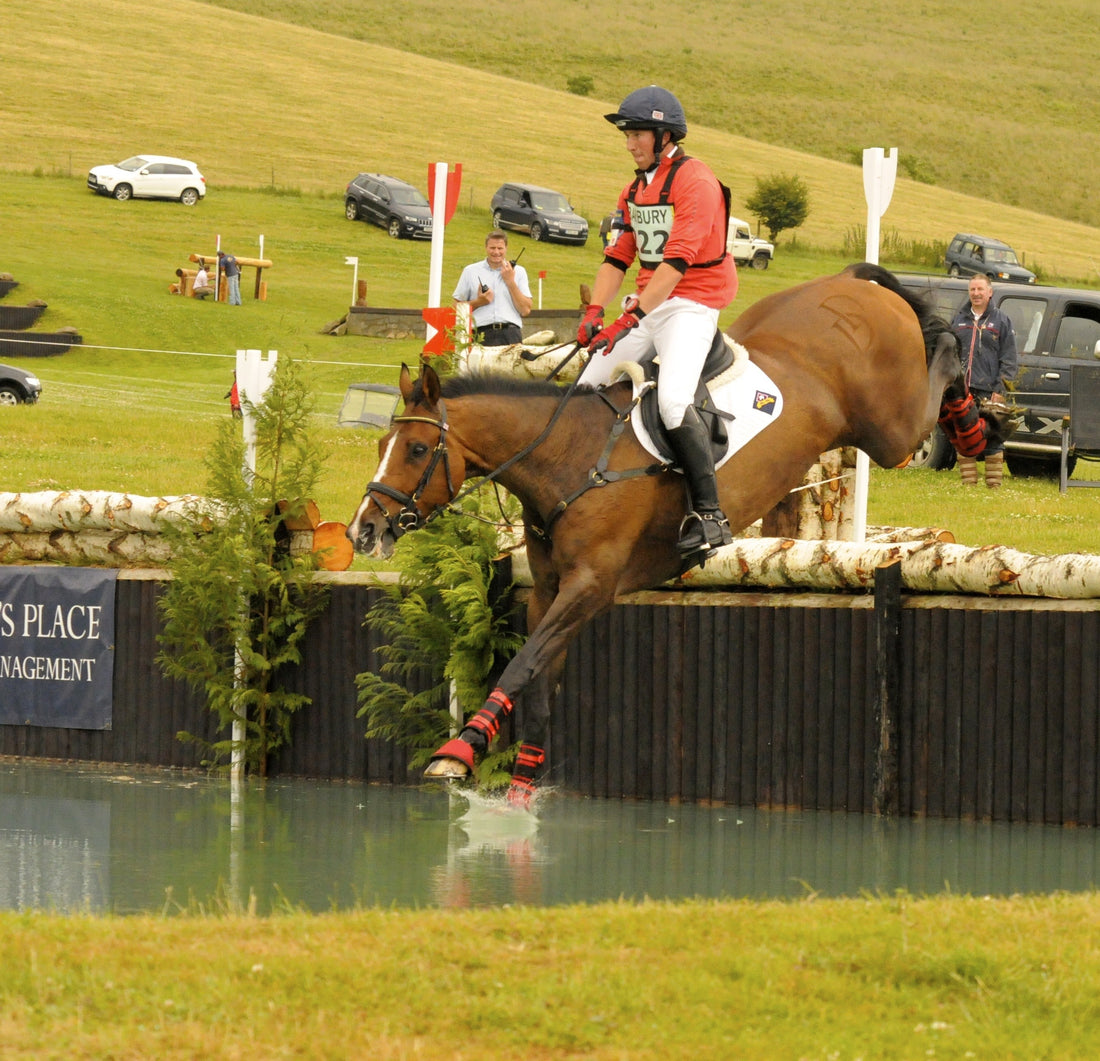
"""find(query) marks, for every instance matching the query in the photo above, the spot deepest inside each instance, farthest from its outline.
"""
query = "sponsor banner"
(57, 646)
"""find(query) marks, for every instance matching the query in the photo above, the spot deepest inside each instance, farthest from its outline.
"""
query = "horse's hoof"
(454, 760)
(447, 769)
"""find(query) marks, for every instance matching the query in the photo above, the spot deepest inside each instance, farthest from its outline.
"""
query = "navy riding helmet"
(653, 108)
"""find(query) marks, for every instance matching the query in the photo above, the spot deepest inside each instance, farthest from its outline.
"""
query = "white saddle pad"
(744, 390)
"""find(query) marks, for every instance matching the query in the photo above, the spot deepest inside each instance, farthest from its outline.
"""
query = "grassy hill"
(280, 117)
(1001, 105)
(259, 102)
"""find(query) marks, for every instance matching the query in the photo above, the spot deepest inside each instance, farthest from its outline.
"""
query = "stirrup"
(701, 531)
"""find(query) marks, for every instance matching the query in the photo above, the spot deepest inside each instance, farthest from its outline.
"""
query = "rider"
(673, 219)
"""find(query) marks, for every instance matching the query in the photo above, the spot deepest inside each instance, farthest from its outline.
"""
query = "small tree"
(238, 604)
(443, 633)
(779, 202)
(580, 84)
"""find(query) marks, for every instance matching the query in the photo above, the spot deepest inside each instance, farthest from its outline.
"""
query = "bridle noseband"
(408, 517)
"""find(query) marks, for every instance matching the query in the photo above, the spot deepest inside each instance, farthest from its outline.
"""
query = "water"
(77, 837)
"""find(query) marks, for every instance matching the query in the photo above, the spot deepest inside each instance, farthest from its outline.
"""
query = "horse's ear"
(430, 382)
(406, 382)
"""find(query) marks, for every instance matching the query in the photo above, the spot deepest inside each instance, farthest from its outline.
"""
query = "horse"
(859, 362)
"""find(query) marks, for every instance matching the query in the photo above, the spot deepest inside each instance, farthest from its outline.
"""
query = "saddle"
(719, 358)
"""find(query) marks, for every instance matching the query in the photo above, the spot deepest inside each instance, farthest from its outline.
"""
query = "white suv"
(150, 177)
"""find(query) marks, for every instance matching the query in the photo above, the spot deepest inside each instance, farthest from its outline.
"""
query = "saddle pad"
(750, 395)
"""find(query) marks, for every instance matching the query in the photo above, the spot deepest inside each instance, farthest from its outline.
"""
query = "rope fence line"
(189, 353)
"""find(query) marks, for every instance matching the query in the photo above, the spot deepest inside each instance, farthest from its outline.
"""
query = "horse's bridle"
(408, 517)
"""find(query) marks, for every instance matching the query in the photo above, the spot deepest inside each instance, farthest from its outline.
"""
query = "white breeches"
(680, 333)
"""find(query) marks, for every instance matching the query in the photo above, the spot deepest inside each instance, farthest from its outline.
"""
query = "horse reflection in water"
(859, 362)
(494, 855)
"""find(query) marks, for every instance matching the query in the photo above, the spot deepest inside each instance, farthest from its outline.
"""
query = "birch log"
(927, 566)
(75, 510)
(112, 529)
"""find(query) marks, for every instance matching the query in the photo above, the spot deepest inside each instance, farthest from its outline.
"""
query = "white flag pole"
(879, 171)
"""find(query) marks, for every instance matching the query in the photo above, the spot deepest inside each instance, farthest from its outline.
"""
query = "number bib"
(652, 224)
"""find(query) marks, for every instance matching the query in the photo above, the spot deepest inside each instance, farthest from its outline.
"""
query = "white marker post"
(879, 172)
(253, 379)
(353, 261)
(439, 225)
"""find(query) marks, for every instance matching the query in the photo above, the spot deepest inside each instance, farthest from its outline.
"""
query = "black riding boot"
(705, 527)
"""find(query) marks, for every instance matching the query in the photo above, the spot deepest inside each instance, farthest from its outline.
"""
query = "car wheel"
(760, 261)
(1028, 466)
(496, 219)
(954, 270)
(935, 453)
(123, 192)
(351, 210)
(10, 396)
(536, 231)
(394, 227)
(189, 197)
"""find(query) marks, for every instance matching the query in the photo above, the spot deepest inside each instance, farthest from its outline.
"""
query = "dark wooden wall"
(762, 699)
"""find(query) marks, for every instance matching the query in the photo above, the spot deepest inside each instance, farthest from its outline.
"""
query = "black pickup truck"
(1056, 328)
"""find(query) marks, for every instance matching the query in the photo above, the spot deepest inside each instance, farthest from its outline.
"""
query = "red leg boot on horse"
(455, 759)
(705, 527)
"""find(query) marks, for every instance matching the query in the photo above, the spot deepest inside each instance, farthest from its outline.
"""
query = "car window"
(550, 201)
(173, 168)
(156, 167)
(511, 196)
(1078, 333)
(409, 197)
(1026, 315)
(132, 164)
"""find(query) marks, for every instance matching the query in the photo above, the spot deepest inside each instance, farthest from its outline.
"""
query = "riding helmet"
(651, 107)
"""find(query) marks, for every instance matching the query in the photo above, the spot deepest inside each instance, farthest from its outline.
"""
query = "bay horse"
(859, 362)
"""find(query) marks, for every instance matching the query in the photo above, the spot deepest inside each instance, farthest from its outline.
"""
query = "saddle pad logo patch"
(764, 402)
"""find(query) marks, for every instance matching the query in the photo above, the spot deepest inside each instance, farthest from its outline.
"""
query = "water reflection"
(75, 837)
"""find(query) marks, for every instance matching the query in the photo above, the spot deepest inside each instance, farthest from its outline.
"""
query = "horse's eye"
(418, 451)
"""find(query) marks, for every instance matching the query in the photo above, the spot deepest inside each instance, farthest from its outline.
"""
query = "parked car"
(150, 177)
(540, 212)
(968, 255)
(1056, 328)
(399, 208)
(745, 248)
(18, 386)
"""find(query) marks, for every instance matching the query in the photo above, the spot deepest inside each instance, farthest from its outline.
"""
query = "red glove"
(590, 325)
(605, 341)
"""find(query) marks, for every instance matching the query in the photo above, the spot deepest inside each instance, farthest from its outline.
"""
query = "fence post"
(885, 797)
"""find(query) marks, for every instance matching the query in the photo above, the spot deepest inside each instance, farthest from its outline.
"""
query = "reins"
(408, 517)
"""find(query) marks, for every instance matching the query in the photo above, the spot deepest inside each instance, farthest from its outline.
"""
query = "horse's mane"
(496, 384)
(932, 325)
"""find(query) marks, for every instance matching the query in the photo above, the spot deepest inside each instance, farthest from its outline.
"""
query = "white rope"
(183, 353)
(823, 482)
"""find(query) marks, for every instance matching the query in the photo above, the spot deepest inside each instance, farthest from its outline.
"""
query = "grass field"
(880, 979)
(1001, 108)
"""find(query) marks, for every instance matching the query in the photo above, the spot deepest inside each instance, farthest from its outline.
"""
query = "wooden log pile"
(932, 565)
(126, 530)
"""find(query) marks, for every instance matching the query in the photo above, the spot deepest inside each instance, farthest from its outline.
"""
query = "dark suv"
(1056, 328)
(392, 204)
(17, 386)
(543, 213)
(969, 255)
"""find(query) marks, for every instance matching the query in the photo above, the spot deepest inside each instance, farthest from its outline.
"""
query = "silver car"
(150, 177)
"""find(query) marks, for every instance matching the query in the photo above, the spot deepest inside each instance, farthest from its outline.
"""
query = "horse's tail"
(932, 325)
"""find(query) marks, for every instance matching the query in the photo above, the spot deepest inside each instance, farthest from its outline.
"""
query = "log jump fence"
(883, 697)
